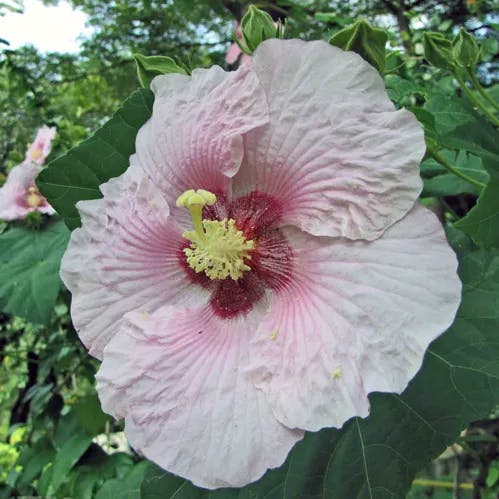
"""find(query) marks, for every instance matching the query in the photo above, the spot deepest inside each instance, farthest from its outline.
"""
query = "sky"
(50, 29)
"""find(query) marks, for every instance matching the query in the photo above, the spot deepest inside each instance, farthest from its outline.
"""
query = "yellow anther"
(273, 335)
(33, 198)
(217, 247)
(196, 198)
(337, 373)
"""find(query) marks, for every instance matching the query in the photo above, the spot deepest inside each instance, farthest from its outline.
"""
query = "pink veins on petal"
(262, 265)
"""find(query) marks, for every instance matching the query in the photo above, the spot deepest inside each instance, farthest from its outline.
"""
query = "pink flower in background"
(234, 52)
(19, 195)
(263, 265)
(40, 148)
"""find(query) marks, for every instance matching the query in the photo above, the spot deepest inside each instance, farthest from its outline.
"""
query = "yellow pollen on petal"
(35, 154)
(33, 198)
(337, 373)
(218, 248)
(273, 335)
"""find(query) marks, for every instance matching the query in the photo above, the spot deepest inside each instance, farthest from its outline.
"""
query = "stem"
(481, 90)
(440, 484)
(447, 164)
(477, 103)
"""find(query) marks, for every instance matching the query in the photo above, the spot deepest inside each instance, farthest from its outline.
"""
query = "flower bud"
(365, 40)
(465, 49)
(257, 26)
(150, 66)
(438, 50)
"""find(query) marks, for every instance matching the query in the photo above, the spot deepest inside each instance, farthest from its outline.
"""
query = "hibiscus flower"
(19, 195)
(262, 265)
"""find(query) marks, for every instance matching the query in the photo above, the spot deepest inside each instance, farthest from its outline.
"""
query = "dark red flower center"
(257, 215)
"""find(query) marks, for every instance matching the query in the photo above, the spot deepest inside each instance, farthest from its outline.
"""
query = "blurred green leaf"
(125, 488)
(90, 415)
(29, 270)
(493, 475)
(78, 174)
(67, 456)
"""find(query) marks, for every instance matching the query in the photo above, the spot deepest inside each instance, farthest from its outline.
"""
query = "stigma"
(217, 247)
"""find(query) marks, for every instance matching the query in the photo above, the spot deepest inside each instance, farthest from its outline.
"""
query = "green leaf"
(458, 126)
(438, 181)
(33, 459)
(29, 270)
(493, 475)
(449, 112)
(482, 221)
(78, 174)
(90, 415)
(150, 66)
(365, 40)
(125, 488)
(67, 457)
(401, 90)
(378, 457)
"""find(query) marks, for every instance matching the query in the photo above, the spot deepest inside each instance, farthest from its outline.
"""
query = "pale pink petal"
(178, 378)
(246, 60)
(338, 155)
(233, 54)
(40, 148)
(357, 319)
(125, 256)
(13, 194)
(194, 137)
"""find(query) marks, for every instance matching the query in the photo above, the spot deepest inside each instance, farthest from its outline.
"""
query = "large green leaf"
(378, 457)
(29, 270)
(78, 174)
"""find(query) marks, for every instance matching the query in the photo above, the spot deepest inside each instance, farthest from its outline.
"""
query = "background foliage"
(54, 439)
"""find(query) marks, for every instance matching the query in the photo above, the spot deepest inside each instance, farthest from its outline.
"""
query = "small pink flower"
(40, 148)
(262, 266)
(20, 196)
